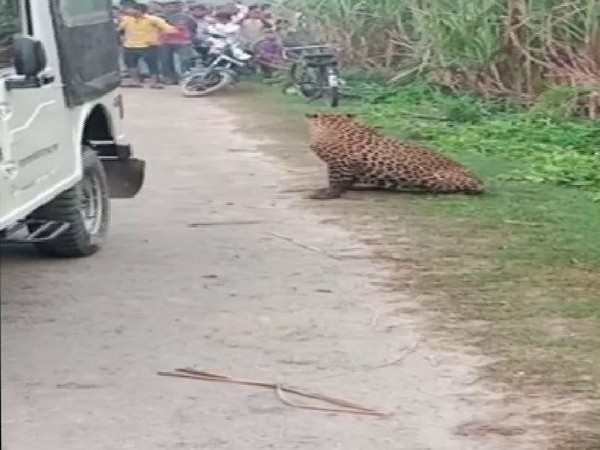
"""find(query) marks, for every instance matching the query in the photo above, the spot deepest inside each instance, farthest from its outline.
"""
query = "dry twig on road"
(305, 246)
(342, 406)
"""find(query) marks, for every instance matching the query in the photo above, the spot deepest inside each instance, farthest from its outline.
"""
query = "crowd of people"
(161, 40)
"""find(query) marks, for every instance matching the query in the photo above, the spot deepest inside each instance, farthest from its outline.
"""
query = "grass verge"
(517, 271)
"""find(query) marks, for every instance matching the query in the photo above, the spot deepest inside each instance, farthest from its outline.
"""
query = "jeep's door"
(37, 159)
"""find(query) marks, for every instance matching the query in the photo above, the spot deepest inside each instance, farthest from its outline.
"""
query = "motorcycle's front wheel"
(206, 82)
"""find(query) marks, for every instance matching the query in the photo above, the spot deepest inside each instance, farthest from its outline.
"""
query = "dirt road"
(219, 265)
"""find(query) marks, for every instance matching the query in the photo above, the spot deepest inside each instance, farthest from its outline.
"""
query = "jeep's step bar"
(37, 231)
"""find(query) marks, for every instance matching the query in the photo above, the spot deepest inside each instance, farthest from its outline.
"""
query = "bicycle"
(314, 72)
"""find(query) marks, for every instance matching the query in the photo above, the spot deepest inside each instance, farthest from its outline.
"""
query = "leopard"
(357, 154)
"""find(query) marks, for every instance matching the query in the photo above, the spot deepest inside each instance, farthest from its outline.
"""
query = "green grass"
(524, 259)
(544, 148)
(553, 209)
(543, 174)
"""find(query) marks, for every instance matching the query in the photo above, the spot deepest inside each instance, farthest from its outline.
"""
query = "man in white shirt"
(224, 25)
(241, 14)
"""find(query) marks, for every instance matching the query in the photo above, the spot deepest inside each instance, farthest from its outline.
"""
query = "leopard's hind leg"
(449, 183)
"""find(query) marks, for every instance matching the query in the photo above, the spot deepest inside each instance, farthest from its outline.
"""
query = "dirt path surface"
(219, 264)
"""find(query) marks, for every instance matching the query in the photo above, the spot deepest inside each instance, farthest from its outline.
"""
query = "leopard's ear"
(311, 116)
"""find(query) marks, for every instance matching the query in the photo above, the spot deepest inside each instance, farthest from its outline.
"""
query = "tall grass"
(497, 47)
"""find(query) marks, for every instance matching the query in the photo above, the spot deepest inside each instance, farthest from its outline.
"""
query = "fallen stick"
(305, 246)
(344, 406)
(233, 222)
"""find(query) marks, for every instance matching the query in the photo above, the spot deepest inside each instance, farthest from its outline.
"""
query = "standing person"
(141, 34)
(253, 26)
(224, 25)
(269, 53)
(201, 14)
(267, 12)
(177, 44)
(239, 12)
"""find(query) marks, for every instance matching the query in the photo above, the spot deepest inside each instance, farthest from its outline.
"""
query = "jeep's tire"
(85, 207)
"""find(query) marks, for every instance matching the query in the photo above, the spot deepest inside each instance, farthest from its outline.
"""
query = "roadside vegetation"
(516, 271)
(509, 88)
(499, 48)
(540, 144)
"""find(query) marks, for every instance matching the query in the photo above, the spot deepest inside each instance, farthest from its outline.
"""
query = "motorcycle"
(225, 62)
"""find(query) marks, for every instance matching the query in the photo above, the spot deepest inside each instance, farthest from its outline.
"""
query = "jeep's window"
(76, 13)
(10, 24)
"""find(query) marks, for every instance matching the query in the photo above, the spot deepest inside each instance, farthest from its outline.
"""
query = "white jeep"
(62, 151)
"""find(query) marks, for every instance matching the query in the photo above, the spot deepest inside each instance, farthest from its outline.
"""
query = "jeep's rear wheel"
(85, 207)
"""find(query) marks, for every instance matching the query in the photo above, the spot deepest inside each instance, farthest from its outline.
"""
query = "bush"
(545, 149)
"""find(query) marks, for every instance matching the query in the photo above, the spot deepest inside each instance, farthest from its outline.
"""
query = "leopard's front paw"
(324, 194)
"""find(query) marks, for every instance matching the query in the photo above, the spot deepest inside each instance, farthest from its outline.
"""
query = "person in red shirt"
(180, 43)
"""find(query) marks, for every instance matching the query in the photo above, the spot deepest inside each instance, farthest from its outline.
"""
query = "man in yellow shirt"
(141, 38)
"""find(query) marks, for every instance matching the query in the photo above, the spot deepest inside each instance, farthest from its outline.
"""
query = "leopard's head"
(328, 121)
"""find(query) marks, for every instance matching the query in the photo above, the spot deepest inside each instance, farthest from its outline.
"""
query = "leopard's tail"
(473, 186)
(454, 182)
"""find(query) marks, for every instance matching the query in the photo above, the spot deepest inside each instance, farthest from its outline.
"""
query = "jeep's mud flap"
(125, 176)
